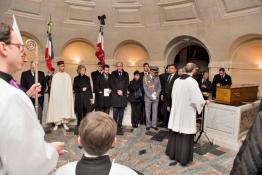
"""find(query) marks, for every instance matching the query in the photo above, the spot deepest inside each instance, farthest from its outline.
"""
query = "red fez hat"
(60, 62)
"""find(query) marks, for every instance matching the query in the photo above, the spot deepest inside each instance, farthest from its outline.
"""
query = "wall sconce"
(132, 63)
(77, 59)
(260, 66)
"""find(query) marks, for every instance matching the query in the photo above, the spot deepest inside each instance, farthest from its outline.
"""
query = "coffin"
(236, 94)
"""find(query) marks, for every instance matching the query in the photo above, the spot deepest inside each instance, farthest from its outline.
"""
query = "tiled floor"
(144, 152)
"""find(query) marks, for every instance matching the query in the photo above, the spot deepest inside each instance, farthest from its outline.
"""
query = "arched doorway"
(246, 58)
(184, 49)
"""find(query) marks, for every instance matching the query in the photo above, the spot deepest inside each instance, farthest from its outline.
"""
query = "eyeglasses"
(21, 47)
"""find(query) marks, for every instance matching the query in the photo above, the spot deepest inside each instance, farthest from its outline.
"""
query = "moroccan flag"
(49, 51)
(100, 54)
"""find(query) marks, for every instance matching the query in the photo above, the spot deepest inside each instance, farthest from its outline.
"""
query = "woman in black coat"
(83, 94)
(135, 97)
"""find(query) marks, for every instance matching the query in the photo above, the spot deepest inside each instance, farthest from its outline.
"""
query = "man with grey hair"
(119, 84)
(28, 79)
(187, 99)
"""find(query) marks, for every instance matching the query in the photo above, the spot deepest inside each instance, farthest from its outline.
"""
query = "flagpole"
(31, 45)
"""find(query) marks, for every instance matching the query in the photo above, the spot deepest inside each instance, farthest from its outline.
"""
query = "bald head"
(190, 68)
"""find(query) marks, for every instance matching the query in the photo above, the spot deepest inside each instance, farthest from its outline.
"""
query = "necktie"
(169, 78)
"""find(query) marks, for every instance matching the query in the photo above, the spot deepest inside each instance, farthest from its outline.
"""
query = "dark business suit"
(167, 96)
(119, 82)
(28, 79)
(94, 76)
(103, 102)
(163, 79)
(143, 112)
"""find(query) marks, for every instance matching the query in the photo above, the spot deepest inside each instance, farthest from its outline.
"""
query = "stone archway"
(246, 60)
(185, 49)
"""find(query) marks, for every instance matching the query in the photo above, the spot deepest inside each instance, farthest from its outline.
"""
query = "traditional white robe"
(116, 169)
(61, 102)
(23, 150)
(187, 99)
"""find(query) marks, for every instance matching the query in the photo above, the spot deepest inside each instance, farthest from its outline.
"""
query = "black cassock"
(82, 98)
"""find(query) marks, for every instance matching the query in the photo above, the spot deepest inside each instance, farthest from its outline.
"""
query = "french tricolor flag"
(100, 53)
(49, 51)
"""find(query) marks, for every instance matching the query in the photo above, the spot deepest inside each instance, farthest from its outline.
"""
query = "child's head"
(97, 133)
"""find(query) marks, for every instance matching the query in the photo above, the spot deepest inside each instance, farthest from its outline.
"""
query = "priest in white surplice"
(187, 99)
(61, 102)
(23, 150)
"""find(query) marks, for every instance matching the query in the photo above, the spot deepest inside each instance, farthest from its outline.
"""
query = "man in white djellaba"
(23, 150)
(187, 99)
(61, 102)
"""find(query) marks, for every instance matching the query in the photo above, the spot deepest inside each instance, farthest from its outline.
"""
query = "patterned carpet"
(144, 151)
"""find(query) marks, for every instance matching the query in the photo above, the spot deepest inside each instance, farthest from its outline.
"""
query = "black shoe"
(135, 126)
(147, 128)
(156, 128)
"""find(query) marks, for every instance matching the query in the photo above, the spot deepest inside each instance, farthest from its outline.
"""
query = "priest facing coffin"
(61, 102)
(187, 99)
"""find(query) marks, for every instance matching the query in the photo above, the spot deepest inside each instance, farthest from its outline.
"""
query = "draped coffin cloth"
(61, 102)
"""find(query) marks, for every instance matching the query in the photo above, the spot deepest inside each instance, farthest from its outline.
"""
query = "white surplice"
(187, 99)
(23, 150)
(116, 169)
(61, 102)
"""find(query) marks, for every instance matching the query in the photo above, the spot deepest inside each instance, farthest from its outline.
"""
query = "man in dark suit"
(103, 90)
(221, 79)
(146, 71)
(94, 76)
(167, 93)
(204, 84)
(163, 78)
(28, 79)
(119, 83)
